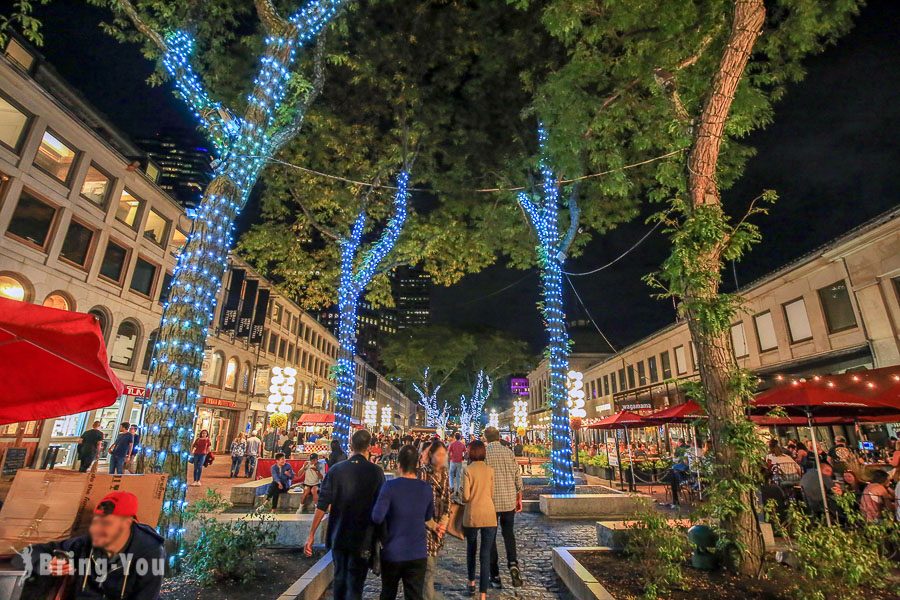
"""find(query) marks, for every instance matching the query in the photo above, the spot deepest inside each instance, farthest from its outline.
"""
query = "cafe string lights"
(542, 208)
(355, 277)
(243, 144)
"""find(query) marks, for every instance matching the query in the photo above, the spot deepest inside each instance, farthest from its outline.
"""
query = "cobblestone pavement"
(535, 537)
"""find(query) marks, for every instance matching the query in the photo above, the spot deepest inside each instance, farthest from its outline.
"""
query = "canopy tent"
(52, 363)
(680, 413)
(316, 419)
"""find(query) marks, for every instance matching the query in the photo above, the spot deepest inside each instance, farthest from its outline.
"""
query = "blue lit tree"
(242, 144)
(542, 207)
(472, 407)
(428, 400)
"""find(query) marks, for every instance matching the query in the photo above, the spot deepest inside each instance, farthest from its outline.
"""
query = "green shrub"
(660, 548)
(226, 550)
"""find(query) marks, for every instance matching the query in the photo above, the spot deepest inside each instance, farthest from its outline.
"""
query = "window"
(124, 344)
(12, 289)
(798, 321)
(54, 157)
(19, 54)
(59, 301)
(114, 259)
(144, 277)
(13, 124)
(276, 313)
(32, 220)
(231, 373)
(739, 340)
(179, 239)
(157, 228)
(622, 385)
(693, 356)
(77, 244)
(96, 186)
(129, 210)
(164, 288)
(290, 353)
(666, 365)
(612, 379)
(273, 343)
(642, 374)
(102, 319)
(838, 309)
(282, 347)
(245, 377)
(765, 331)
(680, 361)
(606, 385)
(148, 352)
(214, 373)
(631, 377)
(651, 366)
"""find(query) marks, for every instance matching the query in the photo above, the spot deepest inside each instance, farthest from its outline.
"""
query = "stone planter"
(579, 581)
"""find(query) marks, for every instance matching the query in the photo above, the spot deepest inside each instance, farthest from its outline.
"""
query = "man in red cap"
(119, 558)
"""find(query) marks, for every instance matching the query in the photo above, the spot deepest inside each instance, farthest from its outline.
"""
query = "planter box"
(601, 505)
(313, 584)
(614, 534)
(580, 583)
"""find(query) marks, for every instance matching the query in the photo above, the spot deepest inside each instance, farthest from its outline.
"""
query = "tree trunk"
(348, 303)
(714, 353)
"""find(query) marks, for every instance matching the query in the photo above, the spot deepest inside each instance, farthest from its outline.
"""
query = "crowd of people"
(397, 528)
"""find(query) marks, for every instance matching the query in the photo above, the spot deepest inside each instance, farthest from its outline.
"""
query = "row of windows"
(294, 355)
(292, 322)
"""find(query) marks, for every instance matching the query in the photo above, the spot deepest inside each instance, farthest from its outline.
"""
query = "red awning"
(52, 363)
(846, 395)
(681, 413)
(620, 420)
(316, 419)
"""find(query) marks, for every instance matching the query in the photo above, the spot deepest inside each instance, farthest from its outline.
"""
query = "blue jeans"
(249, 465)
(488, 535)
(199, 460)
(349, 575)
(455, 475)
(236, 465)
(116, 465)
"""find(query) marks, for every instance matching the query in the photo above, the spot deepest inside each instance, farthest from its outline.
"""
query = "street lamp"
(281, 390)
(386, 417)
(371, 414)
(575, 384)
(520, 416)
(494, 419)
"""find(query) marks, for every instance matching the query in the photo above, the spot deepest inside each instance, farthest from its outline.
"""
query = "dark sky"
(832, 155)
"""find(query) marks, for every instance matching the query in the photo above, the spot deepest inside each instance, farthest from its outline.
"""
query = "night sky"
(832, 155)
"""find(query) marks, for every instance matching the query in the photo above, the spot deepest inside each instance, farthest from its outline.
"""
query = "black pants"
(488, 535)
(507, 522)
(86, 462)
(411, 572)
(349, 575)
(274, 494)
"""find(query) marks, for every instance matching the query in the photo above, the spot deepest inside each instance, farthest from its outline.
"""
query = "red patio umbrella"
(680, 413)
(52, 363)
(622, 420)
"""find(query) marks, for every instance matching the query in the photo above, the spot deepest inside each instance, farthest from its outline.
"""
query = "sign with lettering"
(219, 402)
(136, 391)
(13, 460)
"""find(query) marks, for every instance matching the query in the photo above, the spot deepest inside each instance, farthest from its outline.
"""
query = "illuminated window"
(13, 124)
(57, 300)
(231, 372)
(157, 228)
(55, 157)
(11, 288)
(245, 377)
(96, 186)
(739, 340)
(765, 331)
(32, 220)
(124, 344)
(798, 321)
(129, 210)
(114, 259)
(680, 360)
(179, 239)
(214, 374)
(77, 244)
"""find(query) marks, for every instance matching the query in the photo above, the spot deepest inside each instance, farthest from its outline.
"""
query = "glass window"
(148, 352)
(77, 244)
(214, 373)
(606, 385)
(102, 319)
(622, 385)
(838, 309)
(231, 373)
(157, 228)
(798, 321)
(96, 186)
(164, 288)
(651, 366)
(113, 264)
(124, 344)
(273, 343)
(282, 348)
(739, 340)
(179, 239)
(11, 288)
(666, 365)
(143, 277)
(642, 375)
(32, 220)
(13, 124)
(680, 360)
(765, 331)
(631, 377)
(612, 379)
(245, 377)
(55, 157)
(129, 210)
(58, 301)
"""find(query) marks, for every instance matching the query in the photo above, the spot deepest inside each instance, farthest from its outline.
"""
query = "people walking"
(436, 473)
(89, 446)
(507, 502)
(120, 452)
(238, 449)
(347, 495)
(251, 453)
(479, 517)
(404, 506)
(457, 452)
(282, 476)
(337, 454)
(199, 449)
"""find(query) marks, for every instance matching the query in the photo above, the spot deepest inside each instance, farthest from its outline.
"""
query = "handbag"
(455, 524)
(209, 460)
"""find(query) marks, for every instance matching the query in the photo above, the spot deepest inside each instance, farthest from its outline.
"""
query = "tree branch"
(388, 238)
(288, 132)
(574, 218)
(316, 223)
(151, 34)
(269, 17)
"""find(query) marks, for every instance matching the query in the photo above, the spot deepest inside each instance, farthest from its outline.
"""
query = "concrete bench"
(614, 534)
(611, 503)
(291, 530)
(245, 494)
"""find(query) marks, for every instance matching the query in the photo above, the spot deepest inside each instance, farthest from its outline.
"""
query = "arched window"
(102, 316)
(59, 300)
(245, 377)
(125, 344)
(231, 373)
(14, 287)
(214, 376)
(148, 351)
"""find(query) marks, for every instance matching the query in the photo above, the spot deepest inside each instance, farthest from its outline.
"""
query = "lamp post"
(575, 385)
(385, 417)
(370, 416)
(520, 417)
(494, 419)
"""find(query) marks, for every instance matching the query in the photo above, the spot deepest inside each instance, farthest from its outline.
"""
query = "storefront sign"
(13, 460)
(220, 402)
(637, 406)
(319, 397)
(136, 391)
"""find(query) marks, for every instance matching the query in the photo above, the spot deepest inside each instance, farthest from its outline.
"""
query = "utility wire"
(620, 257)
(588, 313)
(501, 290)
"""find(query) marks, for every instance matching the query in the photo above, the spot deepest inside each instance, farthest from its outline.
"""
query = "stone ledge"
(313, 583)
(614, 504)
(577, 579)
(614, 534)
(291, 530)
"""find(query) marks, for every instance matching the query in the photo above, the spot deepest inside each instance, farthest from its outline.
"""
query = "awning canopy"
(52, 363)
(849, 395)
(620, 420)
(680, 413)
(316, 419)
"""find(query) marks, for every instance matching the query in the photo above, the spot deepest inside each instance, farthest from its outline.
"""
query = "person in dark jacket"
(337, 455)
(119, 558)
(282, 477)
(347, 495)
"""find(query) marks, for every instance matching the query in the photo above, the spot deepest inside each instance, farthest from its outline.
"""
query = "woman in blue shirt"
(404, 505)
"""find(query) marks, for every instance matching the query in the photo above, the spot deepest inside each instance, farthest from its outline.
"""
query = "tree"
(675, 84)
(243, 143)
(20, 18)
(471, 408)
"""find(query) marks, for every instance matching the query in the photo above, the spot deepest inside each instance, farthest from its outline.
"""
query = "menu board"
(13, 460)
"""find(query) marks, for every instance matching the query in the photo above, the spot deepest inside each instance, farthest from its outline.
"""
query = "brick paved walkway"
(535, 536)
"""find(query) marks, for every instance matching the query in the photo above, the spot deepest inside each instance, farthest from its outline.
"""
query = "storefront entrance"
(218, 423)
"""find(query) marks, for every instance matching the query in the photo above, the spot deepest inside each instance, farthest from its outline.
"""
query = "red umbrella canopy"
(680, 413)
(52, 363)
(822, 397)
(619, 420)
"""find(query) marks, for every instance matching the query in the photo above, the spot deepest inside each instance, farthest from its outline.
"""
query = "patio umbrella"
(622, 420)
(687, 412)
(52, 363)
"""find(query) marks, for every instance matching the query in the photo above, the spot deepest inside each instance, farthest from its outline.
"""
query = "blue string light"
(543, 213)
(471, 408)
(434, 416)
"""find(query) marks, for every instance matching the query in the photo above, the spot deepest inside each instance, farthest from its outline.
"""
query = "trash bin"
(11, 582)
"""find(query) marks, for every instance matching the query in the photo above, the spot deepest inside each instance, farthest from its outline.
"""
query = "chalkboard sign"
(13, 460)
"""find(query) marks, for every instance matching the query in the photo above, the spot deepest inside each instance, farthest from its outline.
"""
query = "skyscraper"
(412, 297)
(184, 165)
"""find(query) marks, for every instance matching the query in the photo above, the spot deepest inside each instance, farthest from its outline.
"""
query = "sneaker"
(515, 575)
(497, 583)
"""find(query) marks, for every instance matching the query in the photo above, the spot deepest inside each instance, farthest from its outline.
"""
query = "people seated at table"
(877, 502)
(812, 491)
(782, 468)
(841, 457)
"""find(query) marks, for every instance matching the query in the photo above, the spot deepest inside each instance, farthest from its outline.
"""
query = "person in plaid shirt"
(435, 472)
(507, 502)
